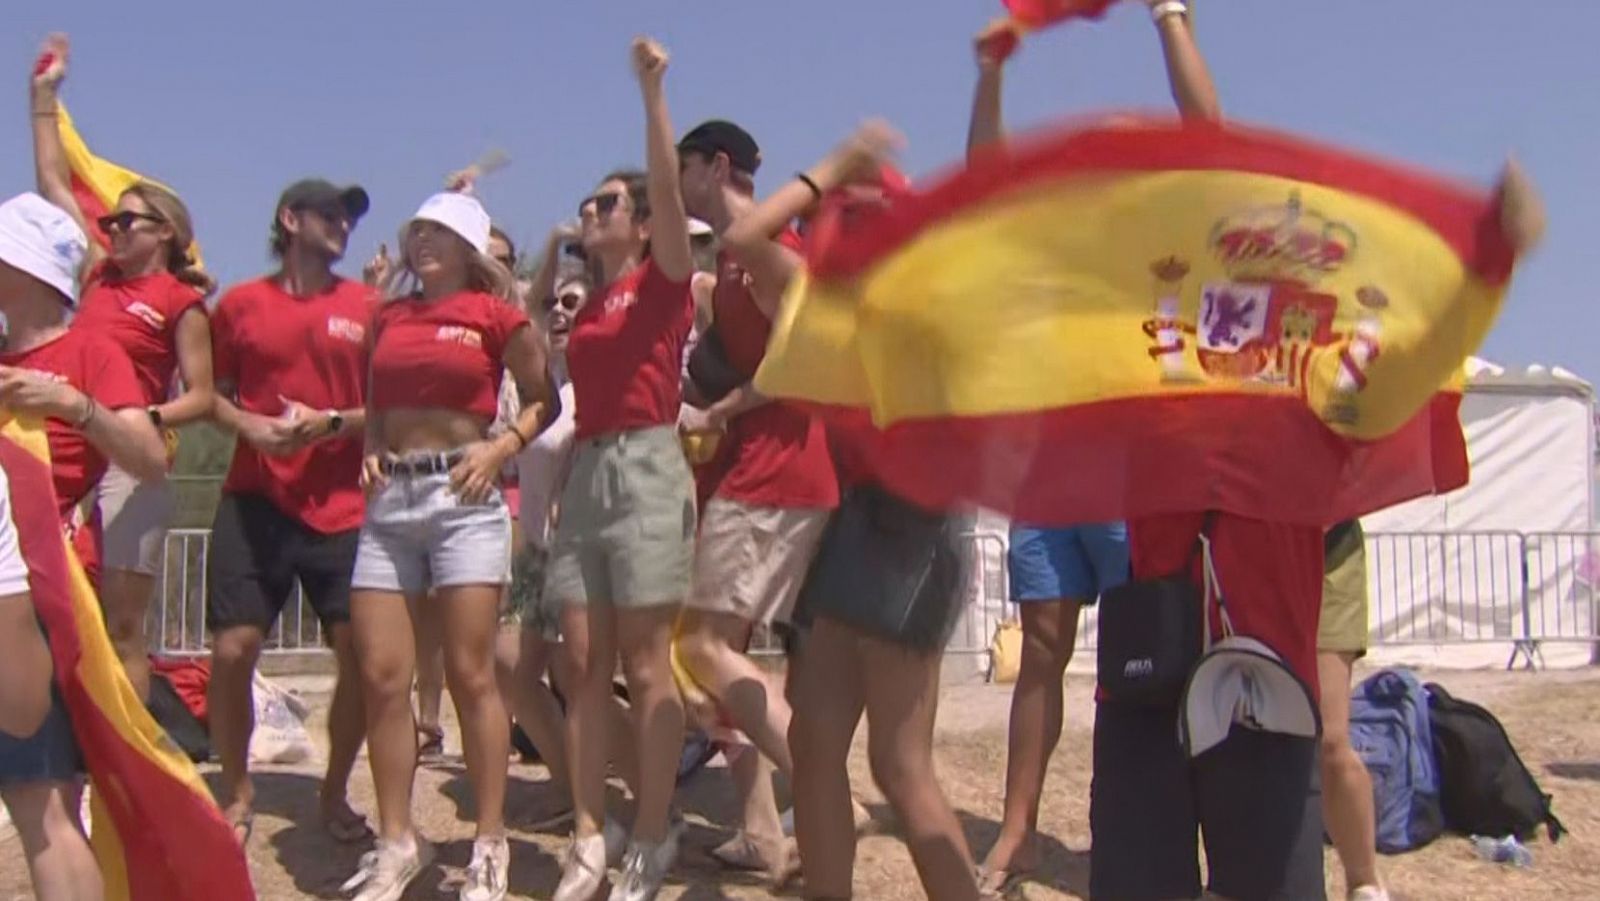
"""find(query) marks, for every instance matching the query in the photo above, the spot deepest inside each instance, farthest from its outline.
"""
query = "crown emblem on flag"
(1286, 241)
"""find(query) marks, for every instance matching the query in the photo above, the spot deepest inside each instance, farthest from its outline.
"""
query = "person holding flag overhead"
(291, 353)
(143, 288)
(879, 603)
(1054, 571)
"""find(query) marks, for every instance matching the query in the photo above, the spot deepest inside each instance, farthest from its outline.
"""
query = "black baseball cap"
(312, 193)
(721, 136)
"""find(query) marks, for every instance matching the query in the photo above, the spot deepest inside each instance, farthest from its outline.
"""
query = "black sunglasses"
(604, 204)
(569, 301)
(124, 220)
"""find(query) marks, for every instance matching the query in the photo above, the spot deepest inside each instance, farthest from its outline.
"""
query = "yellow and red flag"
(1145, 317)
(156, 832)
(97, 184)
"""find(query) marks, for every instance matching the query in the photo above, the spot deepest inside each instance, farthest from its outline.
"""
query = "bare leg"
(471, 618)
(1049, 629)
(532, 704)
(828, 702)
(644, 637)
(231, 703)
(902, 690)
(710, 645)
(430, 666)
(386, 650)
(1346, 786)
(59, 859)
(125, 597)
(589, 705)
(347, 729)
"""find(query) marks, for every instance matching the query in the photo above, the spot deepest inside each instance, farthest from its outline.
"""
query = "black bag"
(711, 370)
(171, 714)
(1150, 635)
(1484, 786)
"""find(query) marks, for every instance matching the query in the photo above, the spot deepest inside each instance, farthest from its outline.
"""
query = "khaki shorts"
(626, 532)
(134, 517)
(1343, 626)
(751, 561)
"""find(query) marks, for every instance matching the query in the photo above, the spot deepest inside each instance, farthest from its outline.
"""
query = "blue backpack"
(1393, 736)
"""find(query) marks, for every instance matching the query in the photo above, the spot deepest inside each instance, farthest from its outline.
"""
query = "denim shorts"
(418, 536)
(1070, 563)
(48, 755)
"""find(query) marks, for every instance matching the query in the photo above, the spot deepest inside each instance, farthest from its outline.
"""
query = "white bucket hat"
(461, 213)
(39, 238)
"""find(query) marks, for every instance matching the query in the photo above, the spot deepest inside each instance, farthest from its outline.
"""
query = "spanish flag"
(97, 184)
(157, 835)
(1142, 317)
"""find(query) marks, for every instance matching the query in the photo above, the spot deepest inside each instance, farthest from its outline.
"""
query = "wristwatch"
(154, 412)
(335, 422)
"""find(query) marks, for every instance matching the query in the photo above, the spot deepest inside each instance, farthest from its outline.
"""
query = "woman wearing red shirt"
(620, 562)
(149, 297)
(437, 530)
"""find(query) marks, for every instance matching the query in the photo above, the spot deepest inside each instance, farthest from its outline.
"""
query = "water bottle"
(1502, 850)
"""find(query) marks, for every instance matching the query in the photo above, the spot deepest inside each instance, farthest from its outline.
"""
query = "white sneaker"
(583, 870)
(645, 868)
(386, 871)
(486, 875)
(1369, 893)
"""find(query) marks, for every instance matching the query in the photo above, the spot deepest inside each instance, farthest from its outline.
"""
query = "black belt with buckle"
(421, 464)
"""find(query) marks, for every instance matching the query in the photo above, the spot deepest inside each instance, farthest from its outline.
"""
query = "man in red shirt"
(775, 483)
(290, 355)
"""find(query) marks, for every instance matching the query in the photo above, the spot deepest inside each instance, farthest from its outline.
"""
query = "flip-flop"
(1000, 883)
(243, 826)
(346, 825)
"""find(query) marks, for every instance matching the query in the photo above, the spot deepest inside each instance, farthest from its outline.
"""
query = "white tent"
(1448, 574)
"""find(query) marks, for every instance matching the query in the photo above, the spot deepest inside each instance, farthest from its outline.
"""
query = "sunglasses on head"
(604, 204)
(569, 301)
(124, 220)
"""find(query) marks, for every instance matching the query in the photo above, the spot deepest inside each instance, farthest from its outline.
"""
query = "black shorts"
(257, 554)
(891, 570)
(1256, 798)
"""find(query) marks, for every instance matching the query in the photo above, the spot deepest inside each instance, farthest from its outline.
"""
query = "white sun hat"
(461, 213)
(39, 238)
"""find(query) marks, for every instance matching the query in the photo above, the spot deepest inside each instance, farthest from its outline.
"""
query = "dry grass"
(1551, 716)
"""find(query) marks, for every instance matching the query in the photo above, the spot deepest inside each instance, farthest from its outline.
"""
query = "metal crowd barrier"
(1425, 588)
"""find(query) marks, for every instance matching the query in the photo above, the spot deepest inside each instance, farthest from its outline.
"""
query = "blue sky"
(228, 102)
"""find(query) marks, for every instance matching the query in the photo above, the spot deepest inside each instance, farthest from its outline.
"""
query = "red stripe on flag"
(1155, 455)
(176, 844)
(1464, 217)
(89, 202)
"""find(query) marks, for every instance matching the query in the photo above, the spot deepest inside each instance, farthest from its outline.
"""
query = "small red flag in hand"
(46, 60)
(1039, 13)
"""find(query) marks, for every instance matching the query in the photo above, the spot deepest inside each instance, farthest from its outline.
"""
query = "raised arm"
(53, 175)
(1192, 88)
(987, 126)
(669, 221)
(542, 283)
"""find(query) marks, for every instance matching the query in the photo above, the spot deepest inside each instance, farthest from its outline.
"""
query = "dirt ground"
(1553, 717)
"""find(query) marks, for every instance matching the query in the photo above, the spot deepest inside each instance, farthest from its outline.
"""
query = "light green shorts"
(625, 536)
(1343, 626)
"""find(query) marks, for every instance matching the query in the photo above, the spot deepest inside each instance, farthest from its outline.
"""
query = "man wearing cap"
(775, 486)
(290, 355)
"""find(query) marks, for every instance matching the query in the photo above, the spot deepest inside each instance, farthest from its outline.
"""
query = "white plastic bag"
(280, 736)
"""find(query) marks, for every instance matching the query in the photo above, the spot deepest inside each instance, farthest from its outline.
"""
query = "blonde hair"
(485, 274)
(172, 211)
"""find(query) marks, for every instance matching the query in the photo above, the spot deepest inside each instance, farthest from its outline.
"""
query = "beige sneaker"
(1369, 893)
(388, 870)
(583, 871)
(486, 875)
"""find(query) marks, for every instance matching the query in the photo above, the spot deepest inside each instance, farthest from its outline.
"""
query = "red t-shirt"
(94, 364)
(625, 353)
(443, 354)
(271, 345)
(776, 455)
(141, 314)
